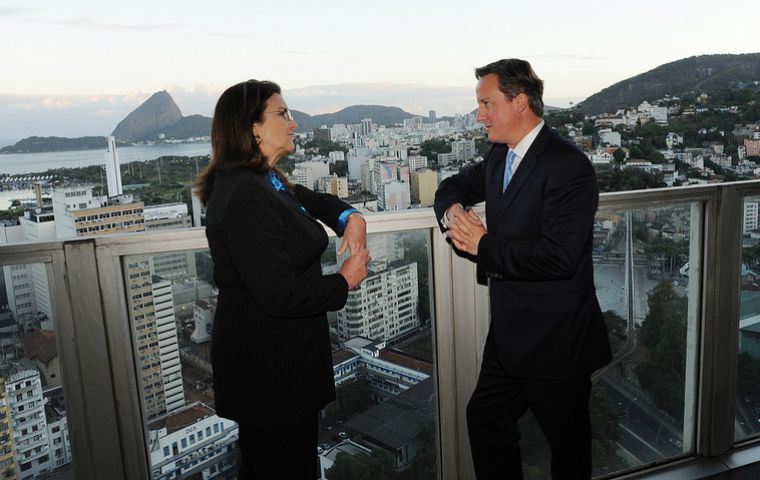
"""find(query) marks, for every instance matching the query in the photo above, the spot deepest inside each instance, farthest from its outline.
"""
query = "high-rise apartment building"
(151, 312)
(23, 392)
(463, 150)
(424, 184)
(384, 306)
(168, 344)
(394, 195)
(7, 445)
(367, 127)
(417, 162)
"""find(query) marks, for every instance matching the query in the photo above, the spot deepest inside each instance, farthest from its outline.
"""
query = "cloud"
(12, 11)
(87, 24)
(414, 98)
(570, 56)
(77, 115)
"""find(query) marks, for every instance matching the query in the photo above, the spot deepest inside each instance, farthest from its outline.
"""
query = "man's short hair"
(515, 77)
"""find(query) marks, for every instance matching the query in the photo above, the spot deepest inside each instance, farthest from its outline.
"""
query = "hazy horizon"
(79, 67)
(24, 116)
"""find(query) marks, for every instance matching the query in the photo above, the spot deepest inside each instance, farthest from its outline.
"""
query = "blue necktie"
(508, 169)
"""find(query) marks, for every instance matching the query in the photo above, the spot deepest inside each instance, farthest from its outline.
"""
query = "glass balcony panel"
(384, 362)
(34, 434)
(747, 423)
(641, 404)
(171, 300)
(382, 352)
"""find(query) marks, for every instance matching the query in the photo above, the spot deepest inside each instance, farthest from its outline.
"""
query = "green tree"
(619, 155)
(749, 376)
(663, 333)
(604, 431)
(617, 328)
(616, 180)
(350, 397)
(340, 168)
(425, 466)
(324, 147)
(378, 465)
(431, 148)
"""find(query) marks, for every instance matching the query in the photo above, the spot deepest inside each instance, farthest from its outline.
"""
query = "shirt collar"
(522, 147)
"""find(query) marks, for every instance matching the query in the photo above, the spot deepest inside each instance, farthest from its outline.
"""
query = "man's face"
(499, 115)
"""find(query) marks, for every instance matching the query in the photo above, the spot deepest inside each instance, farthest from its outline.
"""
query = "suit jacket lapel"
(287, 197)
(521, 175)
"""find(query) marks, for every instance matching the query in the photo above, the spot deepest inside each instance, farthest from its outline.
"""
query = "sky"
(78, 67)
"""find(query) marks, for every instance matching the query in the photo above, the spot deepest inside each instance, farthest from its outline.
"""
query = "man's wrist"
(445, 218)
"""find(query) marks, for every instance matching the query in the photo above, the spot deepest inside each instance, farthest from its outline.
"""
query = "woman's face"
(275, 132)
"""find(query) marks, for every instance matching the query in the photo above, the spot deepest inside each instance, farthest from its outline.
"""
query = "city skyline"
(419, 57)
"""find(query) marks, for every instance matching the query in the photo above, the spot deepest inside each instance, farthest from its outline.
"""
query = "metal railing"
(95, 344)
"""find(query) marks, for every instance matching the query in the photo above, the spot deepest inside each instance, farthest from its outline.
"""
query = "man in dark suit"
(547, 334)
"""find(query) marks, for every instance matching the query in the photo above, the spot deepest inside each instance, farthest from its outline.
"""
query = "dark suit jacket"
(545, 316)
(271, 348)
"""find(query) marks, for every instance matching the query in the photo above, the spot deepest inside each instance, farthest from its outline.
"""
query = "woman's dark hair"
(232, 141)
(515, 77)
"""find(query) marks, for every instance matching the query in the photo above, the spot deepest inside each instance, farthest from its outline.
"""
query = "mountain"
(55, 144)
(351, 115)
(190, 126)
(153, 117)
(704, 74)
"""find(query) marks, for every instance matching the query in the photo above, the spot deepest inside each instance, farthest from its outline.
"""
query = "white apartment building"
(463, 150)
(23, 391)
(79, 214)
(367, 176)
(337, 156)
(168, 344)
(19, 285)
(750, 217)
(58, 429)
(334, 185)
(394, 195)
(417, 162)
(307, 173)
(383, 307)
(192, 439)
(367, 127)
(167, 216)
(387, 372)
(609, 137)
(7, 445)
(444, 159)
(151, 314)
(303, 176)
(203, 319)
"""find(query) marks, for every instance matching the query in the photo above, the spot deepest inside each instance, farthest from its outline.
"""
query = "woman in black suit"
(270, 352)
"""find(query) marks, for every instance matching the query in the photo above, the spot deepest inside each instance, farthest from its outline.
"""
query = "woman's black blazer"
(271, 348)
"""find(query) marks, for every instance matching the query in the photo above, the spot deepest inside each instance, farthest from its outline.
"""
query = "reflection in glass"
(748, 379)
(34, 435)
(640, 410)
(171, 308)
(385, 411)
(384, 417)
